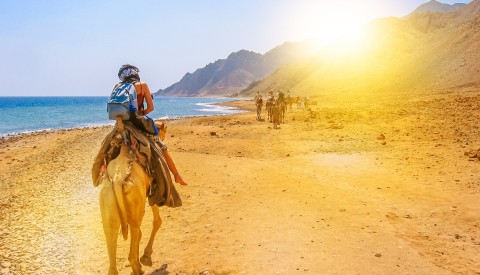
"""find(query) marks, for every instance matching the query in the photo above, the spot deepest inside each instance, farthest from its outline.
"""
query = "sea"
(30, 114)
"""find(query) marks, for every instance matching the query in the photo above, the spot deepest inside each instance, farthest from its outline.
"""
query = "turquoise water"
(27, 114)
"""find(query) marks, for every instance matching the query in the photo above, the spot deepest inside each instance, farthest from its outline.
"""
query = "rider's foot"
(178, 179)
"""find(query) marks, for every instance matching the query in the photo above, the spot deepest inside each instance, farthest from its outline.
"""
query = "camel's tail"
(118, 189)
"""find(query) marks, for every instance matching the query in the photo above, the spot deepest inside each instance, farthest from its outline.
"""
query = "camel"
(290, 101)
(268, 106)
(282, 106)
(275, 116)
(259, 104)
(122, 205)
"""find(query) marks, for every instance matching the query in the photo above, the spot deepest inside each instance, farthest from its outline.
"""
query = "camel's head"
(162, 129)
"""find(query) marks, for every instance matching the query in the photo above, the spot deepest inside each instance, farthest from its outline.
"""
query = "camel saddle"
(148, 153)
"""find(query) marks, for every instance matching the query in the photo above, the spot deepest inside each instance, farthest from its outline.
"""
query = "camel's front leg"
(157, 222)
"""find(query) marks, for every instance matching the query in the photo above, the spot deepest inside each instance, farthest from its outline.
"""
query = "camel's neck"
(124, 149)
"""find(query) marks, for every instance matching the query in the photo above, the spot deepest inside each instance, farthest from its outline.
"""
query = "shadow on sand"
(161, 271)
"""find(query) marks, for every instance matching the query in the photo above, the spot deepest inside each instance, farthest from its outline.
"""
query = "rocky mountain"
(435, 6)
(424, 51)
(226, 76)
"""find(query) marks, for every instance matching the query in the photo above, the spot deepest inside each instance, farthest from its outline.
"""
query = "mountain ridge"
(227, 76)
(436, 6)
(428, 36)
(422, 51)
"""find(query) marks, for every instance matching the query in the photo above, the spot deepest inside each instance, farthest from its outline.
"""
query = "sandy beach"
(372, 185)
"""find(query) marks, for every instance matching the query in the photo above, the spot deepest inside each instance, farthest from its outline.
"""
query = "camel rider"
(129, 73)
(281, 97)
(271, 97)
(259, 101)
(257, 96)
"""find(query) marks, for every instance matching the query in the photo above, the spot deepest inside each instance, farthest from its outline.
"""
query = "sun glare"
(342, 40)
(338, 27)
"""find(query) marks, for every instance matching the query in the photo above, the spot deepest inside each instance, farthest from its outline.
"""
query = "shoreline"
(6, 136)
(385, 185)
(200, 109)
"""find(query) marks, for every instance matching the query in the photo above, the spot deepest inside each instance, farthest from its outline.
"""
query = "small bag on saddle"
(144, 123)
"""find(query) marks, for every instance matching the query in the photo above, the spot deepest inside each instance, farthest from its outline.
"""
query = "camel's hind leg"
(135, 203)
(136, 235)
(111, 223)
(157, 222)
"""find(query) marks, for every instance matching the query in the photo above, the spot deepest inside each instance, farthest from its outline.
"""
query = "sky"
(75, 47)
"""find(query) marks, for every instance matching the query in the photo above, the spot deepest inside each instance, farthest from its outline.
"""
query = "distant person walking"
(289, 100)
(276, 114)
(307, 102)
(269, 105)
(259, 104)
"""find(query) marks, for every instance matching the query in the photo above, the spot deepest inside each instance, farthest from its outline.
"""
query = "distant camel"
(282, 106)
(259, 103)
(290, 101)
(269, 106)
(275, 116)
(122, 204)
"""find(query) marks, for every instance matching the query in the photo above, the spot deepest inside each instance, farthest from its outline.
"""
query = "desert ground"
(364, 185)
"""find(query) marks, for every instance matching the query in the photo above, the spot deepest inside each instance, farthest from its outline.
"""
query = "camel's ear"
(160, 125)
(162, 129)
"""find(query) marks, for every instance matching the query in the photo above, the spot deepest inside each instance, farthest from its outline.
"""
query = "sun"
(326, 32)
(338, 26)
(341, 37)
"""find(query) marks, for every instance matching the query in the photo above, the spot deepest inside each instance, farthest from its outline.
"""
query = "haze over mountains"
(425, 51)
(435, 47)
